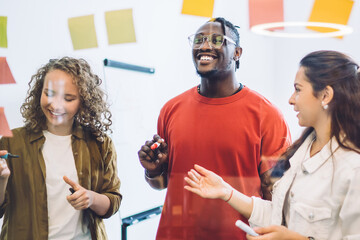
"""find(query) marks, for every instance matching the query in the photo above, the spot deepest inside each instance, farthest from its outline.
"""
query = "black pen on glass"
(9, 155)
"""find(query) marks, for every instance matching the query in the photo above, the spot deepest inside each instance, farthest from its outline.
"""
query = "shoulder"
(22, 131)
(180, 99)
(265, 108)
(82, 132)
(21, 134)
(255, 97)
(348, 159)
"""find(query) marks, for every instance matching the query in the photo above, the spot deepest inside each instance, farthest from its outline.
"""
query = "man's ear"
(237, 53)
(327, 95)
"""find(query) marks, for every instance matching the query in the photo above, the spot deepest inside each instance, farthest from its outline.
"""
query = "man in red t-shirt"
(221, 125)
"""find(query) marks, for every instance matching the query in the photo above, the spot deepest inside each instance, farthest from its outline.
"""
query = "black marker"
(71, 190)
(9, 155)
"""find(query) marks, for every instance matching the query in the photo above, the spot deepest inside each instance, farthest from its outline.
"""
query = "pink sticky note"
(5, 73)
(4, 126)
(265, 11)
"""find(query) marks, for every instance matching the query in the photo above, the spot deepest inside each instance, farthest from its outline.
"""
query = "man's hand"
(153, 159)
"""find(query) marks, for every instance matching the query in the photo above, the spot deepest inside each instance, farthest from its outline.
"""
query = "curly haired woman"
(62, 146)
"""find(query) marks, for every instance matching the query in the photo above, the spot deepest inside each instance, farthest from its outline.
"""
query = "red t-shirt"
(234, 137)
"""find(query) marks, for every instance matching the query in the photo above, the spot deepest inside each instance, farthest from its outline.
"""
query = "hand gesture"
(4, 169)
(207, 184)
(81, 198)
(275, 232)
(153, 159)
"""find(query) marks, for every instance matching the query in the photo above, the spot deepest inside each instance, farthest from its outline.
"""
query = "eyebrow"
(66, 95)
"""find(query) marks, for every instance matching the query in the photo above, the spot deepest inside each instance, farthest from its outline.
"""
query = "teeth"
(56, 114)
(206, 58)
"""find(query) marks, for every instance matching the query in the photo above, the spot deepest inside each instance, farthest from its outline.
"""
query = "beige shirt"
(323, 194)
(25, 206)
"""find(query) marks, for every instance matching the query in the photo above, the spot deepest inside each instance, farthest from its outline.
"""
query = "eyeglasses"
(214, 40)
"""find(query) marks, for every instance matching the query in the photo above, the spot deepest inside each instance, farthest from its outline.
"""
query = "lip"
(56, 114)
(199, 55)
(298, 113)
(212, 57)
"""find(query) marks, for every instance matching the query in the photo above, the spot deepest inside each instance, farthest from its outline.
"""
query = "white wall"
(38, 31)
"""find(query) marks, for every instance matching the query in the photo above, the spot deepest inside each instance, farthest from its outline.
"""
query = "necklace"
(238, 90)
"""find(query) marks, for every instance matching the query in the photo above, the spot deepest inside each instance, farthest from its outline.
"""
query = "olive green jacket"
(25, 206)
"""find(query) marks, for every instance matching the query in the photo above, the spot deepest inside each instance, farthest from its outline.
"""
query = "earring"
(325, 106)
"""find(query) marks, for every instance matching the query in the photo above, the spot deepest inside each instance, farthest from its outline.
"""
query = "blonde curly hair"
(93, 113)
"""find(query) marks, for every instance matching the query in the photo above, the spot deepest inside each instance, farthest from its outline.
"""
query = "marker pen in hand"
(71, 190)
(246, 228)
(9, 155)
(155, 145)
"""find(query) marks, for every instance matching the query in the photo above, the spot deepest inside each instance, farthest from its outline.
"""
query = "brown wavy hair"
(93, 113)
(335, 69)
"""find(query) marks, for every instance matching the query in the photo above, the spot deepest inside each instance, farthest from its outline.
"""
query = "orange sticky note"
(330, 11)
(82, 31)
(4, 126)
(202, 8)
(5, 73)
(120, 26)
(265, 11)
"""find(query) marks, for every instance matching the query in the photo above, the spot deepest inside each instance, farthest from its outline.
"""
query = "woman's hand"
(207, 184)
(4, 169)
(277, 233)
(81, 198)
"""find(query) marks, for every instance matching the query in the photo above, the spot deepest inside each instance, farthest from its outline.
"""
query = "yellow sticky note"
(202, 8)
(331, 11)
(82, 31)
(3, 32)
(120, 26)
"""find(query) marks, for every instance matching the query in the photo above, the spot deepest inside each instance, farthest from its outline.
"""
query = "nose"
(292, 99)
(56, 102)
(205, 44)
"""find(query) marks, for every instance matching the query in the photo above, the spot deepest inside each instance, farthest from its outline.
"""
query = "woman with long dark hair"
(317, 196)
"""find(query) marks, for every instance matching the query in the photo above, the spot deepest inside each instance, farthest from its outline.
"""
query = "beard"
(214, 72)
(207, 74)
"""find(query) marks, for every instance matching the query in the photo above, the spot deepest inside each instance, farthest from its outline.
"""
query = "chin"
(207, 74)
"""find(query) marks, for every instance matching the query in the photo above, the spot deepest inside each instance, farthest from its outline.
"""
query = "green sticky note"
(3, 32)
(82, 31)
(120, 26)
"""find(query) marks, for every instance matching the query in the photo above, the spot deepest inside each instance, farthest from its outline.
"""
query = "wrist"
(228, 192)
(153, 174)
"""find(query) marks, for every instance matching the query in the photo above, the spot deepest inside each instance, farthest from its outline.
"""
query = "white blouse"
(320, 194)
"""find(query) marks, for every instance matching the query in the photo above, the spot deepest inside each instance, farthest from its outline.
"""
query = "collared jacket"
(320, 194)
(25, 206)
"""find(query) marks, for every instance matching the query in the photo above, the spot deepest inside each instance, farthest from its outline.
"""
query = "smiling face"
(308, 106)
(60, 101)
(209, 61)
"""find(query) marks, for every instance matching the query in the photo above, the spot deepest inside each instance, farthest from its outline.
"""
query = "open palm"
(206, 183)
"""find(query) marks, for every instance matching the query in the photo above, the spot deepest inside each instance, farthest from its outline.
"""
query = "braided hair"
(233, 31)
